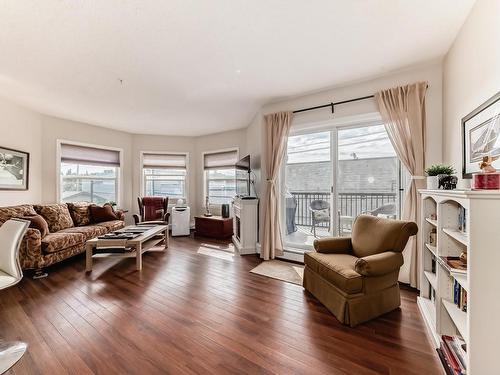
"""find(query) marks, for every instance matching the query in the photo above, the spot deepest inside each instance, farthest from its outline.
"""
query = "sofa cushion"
(89, 231)
(79, 213)
(10, 212)
(100, 214)
(38, 222)
(112, 225)
(338, 269)
(54, 242)
(57, 216)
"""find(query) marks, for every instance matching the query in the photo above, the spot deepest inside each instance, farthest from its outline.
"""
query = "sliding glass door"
(307, 188)
(367, 175)
(332, 176)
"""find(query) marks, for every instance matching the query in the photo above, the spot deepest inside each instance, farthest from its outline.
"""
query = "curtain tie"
(417, 177)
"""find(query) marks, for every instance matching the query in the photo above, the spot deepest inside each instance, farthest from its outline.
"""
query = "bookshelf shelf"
(431, 221)
(458, 316)
(432, 249)
(467, 221)
(432, 278)
(428, 310)
(461, 279)
(457, 235)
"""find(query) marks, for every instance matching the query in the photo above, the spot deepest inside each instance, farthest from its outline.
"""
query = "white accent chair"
(11, 234)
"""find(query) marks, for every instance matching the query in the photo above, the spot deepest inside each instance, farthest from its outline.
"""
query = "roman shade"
(89, 155)
(164, 161)
(218, 160)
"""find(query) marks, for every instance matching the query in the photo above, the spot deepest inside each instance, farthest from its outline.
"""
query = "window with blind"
(89, 174)
(220, 176)
(164, 174)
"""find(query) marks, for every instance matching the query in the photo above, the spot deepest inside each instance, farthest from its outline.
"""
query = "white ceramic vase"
(432, 182)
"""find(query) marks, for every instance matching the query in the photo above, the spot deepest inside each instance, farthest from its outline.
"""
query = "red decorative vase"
(486, 181)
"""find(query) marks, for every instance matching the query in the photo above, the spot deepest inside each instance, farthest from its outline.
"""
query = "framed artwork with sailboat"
(481, 136)
(14, 168)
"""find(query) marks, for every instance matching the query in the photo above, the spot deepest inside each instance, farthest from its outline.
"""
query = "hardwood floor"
(190, 313)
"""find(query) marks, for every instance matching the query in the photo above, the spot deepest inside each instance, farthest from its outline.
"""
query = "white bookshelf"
(479, 326)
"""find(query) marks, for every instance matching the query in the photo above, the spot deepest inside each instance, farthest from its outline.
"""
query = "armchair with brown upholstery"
(356, 277)
(152, 210)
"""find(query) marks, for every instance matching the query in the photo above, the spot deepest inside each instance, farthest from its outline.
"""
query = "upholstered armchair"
(356, 277)
(152, 210)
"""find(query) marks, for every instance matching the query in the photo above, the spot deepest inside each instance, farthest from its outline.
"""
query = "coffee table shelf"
(145, 242)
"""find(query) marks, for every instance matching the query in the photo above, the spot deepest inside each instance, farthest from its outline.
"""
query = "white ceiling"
(192, 67)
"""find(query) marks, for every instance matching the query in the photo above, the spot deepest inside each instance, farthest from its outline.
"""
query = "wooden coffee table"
(141, 244)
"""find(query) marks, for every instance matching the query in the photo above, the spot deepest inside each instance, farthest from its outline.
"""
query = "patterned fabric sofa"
(70, 226)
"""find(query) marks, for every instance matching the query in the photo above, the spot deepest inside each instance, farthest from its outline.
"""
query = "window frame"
(118, 178)
(204, 174)
(142, 177)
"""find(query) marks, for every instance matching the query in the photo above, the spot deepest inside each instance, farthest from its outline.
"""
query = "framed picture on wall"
(481, 136)
(14, 169)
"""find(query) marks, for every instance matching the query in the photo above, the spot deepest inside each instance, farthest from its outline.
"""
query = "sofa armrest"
(379, 264)
(30, 251)
(166, 217)
(333, 245)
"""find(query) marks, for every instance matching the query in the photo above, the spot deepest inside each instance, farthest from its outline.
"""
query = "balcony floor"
(303, 237)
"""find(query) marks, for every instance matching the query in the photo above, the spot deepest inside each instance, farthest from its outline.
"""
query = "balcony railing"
(349, 204)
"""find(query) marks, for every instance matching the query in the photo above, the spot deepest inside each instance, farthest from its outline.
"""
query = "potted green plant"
(434, 171)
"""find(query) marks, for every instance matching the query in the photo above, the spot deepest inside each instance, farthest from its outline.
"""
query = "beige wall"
(431, 72)
(21, 130)
(471, 74)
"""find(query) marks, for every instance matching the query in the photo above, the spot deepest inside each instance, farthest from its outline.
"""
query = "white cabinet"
(245, 222)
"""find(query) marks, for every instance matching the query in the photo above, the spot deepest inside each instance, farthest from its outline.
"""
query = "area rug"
(284, 271)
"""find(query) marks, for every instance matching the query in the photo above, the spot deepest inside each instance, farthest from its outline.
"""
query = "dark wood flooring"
(188, 313)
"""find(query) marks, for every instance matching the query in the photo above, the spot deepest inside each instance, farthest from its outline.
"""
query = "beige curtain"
(403, 112)
(277, 129)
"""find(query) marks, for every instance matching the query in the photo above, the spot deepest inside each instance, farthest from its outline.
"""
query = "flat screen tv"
(243, 177)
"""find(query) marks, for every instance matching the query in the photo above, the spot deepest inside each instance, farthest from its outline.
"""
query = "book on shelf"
(446, 366)
(454, 360)
(459, 295)
(454, 264)
(462, 219)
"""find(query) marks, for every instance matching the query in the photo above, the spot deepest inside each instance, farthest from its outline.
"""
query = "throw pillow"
(57, 216)
(100, 214)
(38, 222)
(79, 213)
(9, 212)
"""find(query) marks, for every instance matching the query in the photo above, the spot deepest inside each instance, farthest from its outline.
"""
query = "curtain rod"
(332, 105)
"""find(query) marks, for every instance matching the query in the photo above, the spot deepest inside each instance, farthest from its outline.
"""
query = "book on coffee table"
(112, 250)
